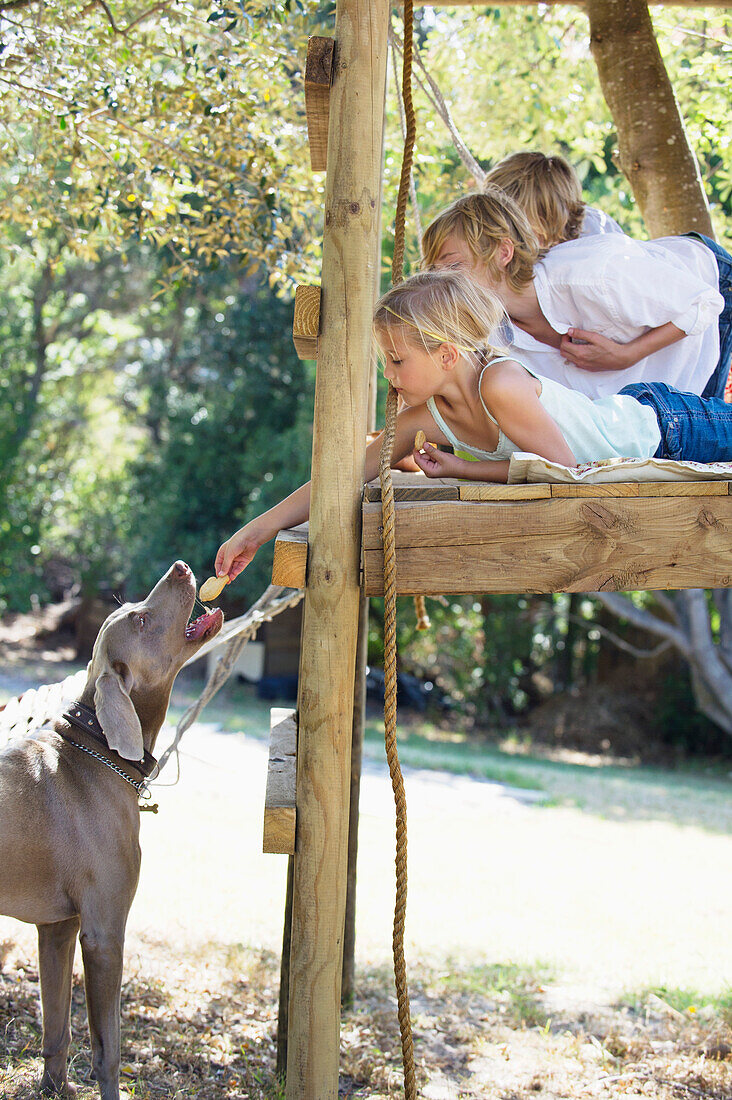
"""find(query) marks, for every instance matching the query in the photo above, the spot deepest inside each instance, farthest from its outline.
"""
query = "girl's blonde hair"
(433, 308)
(483, 221)
(547, 189)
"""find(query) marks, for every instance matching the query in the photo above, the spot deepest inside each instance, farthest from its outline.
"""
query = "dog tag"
(419, 440)
(212, 587)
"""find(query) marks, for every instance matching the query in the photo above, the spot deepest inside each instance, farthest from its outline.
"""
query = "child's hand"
(437, 463)
(593, 352)
(235, 554)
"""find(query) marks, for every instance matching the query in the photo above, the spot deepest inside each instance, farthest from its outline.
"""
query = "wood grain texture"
(289, 566)
(557, 545)
(483, 490)
(306, 321)
(318, 77)
(279, 802)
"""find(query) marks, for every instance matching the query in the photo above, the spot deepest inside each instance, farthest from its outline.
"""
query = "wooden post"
(330, 623)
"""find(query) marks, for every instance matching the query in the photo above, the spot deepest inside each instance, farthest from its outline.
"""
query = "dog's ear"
(117, 716)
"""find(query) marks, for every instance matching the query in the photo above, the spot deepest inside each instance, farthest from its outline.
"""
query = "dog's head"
(138, 653)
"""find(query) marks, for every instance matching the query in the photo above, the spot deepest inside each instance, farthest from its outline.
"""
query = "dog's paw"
(49, 1086)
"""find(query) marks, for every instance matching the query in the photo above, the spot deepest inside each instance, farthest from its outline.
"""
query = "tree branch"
(124, 31)
(625, 609)
(13, 5)
(590, 624)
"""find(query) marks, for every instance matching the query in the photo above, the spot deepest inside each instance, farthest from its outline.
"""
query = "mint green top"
(617, 426)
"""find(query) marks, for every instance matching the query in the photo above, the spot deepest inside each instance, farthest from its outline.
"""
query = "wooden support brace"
(289, 567)
(279, 803)
(318, 77)
(306, 322)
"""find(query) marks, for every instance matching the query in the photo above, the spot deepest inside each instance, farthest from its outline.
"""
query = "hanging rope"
(390, 669)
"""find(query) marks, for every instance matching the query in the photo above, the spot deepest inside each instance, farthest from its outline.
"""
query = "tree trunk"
(654, 150)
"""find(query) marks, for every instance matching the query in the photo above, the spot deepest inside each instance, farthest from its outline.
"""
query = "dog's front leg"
(102, 947)
(56, 946)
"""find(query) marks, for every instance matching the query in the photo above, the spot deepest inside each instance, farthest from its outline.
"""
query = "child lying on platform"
(434, 332)
(601, 311)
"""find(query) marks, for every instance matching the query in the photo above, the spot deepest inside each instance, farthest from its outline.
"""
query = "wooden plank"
(289, 566)
(683, 488)
(414, 486)
(557, 545)
(576, 3)
(279, 802)
(644, 489)
(318, 78)
(306, 321)
(480, 490)
(614, 489)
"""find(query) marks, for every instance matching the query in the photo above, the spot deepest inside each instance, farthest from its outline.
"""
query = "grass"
(694, 794)
(688, 1002)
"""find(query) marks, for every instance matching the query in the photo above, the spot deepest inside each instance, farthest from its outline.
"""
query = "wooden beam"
(330, 620)
(306, 321)
(279, 801)
(558, 545)
(318, 78)
(289, 567)
(576, 3)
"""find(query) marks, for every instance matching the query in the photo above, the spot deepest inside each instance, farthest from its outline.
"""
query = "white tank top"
(617, 426)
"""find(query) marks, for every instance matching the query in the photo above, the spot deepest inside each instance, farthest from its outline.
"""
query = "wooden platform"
(457, 537)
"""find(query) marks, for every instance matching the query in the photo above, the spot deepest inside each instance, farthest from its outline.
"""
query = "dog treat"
(419, 440)
(211, 588)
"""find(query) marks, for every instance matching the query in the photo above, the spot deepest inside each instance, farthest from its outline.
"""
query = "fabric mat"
(531, 468)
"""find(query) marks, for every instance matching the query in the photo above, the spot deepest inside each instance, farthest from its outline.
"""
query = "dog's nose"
(180, 569)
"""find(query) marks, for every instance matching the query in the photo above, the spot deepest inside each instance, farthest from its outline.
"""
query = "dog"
(70, 819)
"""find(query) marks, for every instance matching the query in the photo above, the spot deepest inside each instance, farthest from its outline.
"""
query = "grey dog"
(70, 820)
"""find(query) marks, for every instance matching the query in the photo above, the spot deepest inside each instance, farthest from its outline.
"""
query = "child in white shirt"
(640, 310)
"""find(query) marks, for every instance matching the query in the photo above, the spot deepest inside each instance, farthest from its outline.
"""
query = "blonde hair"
(442, 307)
(484, 220)
(547, 189)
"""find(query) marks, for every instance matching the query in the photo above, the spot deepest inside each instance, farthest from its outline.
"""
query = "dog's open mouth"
(205, 626)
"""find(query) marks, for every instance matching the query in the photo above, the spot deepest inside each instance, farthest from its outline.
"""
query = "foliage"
(232, 420)
(154, 123)
(523, 78)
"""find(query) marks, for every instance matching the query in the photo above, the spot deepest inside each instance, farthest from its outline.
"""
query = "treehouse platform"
(456, 537)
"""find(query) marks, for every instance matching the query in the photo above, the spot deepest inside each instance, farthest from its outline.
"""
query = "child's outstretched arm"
(235, 554)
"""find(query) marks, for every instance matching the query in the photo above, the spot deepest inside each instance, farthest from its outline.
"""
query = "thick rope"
(390, 664)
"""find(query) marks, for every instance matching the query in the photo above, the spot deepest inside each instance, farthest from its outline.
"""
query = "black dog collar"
(84, 718)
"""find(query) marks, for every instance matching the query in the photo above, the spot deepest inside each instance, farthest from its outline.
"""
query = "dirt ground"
(553, 951)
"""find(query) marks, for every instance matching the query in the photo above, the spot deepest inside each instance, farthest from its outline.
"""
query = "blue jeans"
(693, 429)
(718, 380)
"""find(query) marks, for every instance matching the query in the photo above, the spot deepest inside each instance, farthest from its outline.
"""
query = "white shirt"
(620, 287)
(597, 221)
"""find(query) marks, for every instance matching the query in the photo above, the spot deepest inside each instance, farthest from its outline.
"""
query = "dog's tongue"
(200, 627)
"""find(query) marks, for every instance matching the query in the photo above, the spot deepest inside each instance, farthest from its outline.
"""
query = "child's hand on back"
(593, 352)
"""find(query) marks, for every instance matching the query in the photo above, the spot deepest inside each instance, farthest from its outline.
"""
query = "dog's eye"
(142, 621)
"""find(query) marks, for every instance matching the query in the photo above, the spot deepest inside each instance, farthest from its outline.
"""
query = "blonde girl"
(436, 333)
